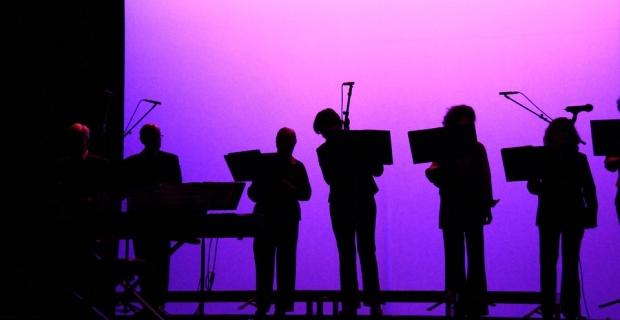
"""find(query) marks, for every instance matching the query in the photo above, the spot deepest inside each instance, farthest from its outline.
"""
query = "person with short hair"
(149, 168)
(353, 212)
(283, 183)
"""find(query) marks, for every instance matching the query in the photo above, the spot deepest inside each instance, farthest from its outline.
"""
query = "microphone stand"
(128, 132)
(541, 116)
(104, 127)
(346, 121)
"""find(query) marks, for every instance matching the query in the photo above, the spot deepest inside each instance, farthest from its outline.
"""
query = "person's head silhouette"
(78, 139)
(285, 141)
(150, 136)
(327, 121)
(459, 115)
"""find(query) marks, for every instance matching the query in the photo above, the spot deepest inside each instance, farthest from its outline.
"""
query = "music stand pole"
(201, 306)
(346, 121)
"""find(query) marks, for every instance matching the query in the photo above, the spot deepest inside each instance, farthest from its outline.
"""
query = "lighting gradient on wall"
(231, 73)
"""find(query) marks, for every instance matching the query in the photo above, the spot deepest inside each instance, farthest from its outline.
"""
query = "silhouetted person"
(566, 206)
(80, 177)
(612, 163)
(81, 180)
(352, 209)
(466, 198)
(277, 193)
(150, 168)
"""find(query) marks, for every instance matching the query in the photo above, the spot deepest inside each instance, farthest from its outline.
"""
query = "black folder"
(442, 143)
(524, 163)
(605, 137)
(243, 165)
(366, 144)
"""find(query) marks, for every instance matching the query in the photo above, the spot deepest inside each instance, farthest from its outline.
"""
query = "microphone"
(152, 101)
(348, 83)
(576, 109)
(506, 93)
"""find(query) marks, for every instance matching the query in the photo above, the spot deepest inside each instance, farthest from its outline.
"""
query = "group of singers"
(567, 205)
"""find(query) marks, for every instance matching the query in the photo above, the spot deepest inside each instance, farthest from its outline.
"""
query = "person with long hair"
(567, 205)
(466, 198)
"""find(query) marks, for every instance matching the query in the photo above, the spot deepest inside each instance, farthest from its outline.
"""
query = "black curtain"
(63, 62)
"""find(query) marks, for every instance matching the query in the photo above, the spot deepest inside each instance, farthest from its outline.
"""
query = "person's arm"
(177, 178)
(612, 163)
(327, 166)
(302, 189)
(534, 186)
(487, 185)
(589, 195)
(434, 173)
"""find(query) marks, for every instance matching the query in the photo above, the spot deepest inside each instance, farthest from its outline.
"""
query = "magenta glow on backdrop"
(231, 73)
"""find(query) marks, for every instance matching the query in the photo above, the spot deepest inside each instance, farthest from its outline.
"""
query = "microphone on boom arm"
(576, 109)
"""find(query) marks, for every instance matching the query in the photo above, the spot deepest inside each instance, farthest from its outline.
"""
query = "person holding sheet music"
(466, 199)
(277, 192)
(353, 211)
(567, 205)
(150, 168)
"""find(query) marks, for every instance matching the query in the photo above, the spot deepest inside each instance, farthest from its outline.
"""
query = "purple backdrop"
(231, 73)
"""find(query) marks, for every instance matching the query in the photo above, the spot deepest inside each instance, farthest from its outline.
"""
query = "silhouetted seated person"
(567, 205)
(80, 177)
(353, 211)
(277, 193)
(466, 198)
(80, 181)
(612, 163)
(149, 168)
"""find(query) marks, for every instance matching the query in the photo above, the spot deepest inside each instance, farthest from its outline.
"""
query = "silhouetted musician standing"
(567, 205)
(465, 207)
(284, 182)
(149, 168)
(353, 211)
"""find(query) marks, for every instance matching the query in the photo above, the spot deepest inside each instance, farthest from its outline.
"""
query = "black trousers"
(549, 250)
(351, 221)
(276, 247)
(470, 283)
(154, 279)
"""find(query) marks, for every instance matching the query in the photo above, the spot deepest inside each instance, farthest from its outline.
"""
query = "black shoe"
(261, 312)
(376, 311)
(348, 312)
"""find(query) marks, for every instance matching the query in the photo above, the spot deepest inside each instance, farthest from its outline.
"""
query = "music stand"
(442, 143)
(523, 163)
(220, 196)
